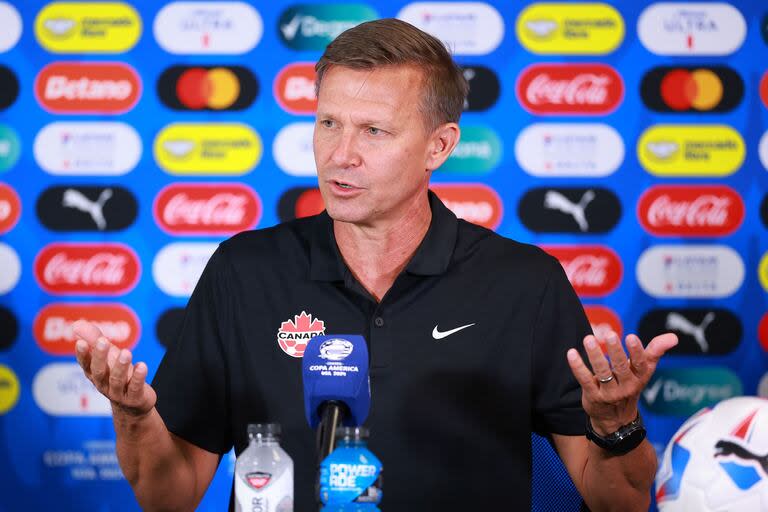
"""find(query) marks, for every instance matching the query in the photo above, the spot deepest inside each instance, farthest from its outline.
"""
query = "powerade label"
(351, 475)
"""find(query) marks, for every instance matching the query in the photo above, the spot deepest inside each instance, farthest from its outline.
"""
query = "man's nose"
(345, 153)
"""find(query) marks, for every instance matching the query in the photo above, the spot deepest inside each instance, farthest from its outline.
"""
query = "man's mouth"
(343, 185)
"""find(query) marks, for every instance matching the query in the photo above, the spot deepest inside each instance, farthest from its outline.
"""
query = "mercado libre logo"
(293, 335)
(312, 27)
(212, 88)
(9, 389)
(692, 89)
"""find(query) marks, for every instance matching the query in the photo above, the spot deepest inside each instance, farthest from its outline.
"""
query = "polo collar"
(432, 257)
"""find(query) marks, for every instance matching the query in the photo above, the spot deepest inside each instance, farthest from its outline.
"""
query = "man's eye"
(327, 123)
(374, 131)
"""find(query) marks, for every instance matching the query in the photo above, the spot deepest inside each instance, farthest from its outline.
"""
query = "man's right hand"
(111, 371)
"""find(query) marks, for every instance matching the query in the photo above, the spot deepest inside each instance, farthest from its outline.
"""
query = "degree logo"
(10, 20)
(691, 150)
(478, 152)
(294, 88)
(207, 88)
(473, 202)
(570, 29)
(9, 87)
(593, 270)
(87, 27)
(313, 26)
(298, 202)
(692, 89)
(87, 88)
(10, 208)
(9, 389)
(10, 147)
(217, 148)
(683, 391)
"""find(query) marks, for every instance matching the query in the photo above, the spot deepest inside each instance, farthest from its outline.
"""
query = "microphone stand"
(331, 416)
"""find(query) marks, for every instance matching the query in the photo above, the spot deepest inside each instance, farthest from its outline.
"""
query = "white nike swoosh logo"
(652, 392)
(440, 335)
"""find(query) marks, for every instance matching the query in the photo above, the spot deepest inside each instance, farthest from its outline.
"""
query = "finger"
(619, 362)
(581, 372)
(135, 391)
(658, 346)
(99, 361)
(596, 358)
(83, 355)
(87, 331)
(118, 375)
(112, 355)
(636, 355)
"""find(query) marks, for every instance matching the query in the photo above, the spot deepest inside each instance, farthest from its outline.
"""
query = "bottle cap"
(263, 429)
(352, 433)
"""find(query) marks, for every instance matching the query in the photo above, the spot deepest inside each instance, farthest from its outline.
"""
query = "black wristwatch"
(624, 440)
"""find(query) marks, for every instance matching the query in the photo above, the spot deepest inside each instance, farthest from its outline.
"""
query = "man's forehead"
(383, 88)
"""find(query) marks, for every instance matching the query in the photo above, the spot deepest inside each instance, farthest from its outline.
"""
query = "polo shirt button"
(378, 321)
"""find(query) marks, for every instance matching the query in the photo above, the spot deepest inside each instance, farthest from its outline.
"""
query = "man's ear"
(442, 143)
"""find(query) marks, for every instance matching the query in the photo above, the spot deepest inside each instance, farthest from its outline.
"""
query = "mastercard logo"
(692, 89)
(207, 87)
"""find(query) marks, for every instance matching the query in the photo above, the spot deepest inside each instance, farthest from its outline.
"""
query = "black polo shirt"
(451, 413)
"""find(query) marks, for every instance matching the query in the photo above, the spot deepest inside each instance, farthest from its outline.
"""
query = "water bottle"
(350, 477)
(264, 472)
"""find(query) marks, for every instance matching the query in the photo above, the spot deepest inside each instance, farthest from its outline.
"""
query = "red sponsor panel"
(310, 202)
(762, 332)
(603, 320)
(690, 210)
(10, 208)
(206, 208)
(475, 203)
(87, 269)
(570, 89)
(764, 89)
(53, 332)
(593, 270)
(294, 88)
(87, 88)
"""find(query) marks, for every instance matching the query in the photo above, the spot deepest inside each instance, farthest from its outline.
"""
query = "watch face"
(622, 441)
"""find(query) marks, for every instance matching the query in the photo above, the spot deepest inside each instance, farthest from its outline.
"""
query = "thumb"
(659, 346)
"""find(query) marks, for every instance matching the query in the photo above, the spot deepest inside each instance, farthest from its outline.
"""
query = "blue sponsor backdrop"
(67, 461)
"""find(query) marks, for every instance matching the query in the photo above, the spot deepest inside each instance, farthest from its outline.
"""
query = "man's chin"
(341, 214)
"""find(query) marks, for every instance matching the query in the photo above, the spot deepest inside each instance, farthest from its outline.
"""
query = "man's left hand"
(610, 394)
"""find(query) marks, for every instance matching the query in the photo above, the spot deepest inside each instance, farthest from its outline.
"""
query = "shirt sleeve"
(561, 324)
(191, 382)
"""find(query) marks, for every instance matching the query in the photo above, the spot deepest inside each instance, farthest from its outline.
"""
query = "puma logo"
(554, 200)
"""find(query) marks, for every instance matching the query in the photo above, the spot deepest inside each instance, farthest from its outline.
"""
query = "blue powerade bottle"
(350, 477)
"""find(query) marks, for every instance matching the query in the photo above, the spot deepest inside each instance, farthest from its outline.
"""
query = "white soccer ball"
(718, 460)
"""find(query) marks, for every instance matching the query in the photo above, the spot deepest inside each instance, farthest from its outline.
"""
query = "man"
(471, 335)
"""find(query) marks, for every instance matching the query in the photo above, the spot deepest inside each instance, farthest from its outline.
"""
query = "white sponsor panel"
(690, 271)
(178, 266)
(10, 21)
(763, 150)
(292, 149)
(467, 28)
(230, 28)
(87, 148)
(711, 28)
(569, 149)
(10, 268)
(61, 389)
(762, 386)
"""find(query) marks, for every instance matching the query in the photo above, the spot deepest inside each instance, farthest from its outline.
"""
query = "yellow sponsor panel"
(216, 148)
(691, 150)
(9, 389)
(570, 29)
(762, 271)
(80, 27)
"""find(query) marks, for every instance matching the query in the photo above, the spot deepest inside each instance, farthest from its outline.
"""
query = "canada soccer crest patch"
(294, 335)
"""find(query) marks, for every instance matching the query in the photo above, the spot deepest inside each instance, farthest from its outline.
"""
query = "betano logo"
(292, 149)
(294, 88)
(603, 320)
(762, 271)
(691, 150)
(9, 389)
(473, 202)
(10, 208)
(593, 270)
(53, 331)
(217, 148)
(478, 152)
(220, 28)
(683, 391)
(569, 149)
(570, 29)
(10, 20)
(313, 26)
(692, 89)
(62, 389)
(10, 147)
(466, 28)
(11, 265)
(178, 266)
(213, 88)
(88, 27)
(87, 88)
(711, 28)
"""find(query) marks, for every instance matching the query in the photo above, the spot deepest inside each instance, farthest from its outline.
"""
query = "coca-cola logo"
(563, 89)
(87, 269)
(593, 270)
(206, 208)
(53, 331)
(87, 88)
(690, 211)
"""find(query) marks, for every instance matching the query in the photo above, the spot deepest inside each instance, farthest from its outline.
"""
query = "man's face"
(371, 145)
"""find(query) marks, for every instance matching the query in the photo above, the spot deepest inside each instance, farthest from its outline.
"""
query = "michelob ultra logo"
(570, 29)
(215, 148)
(292, 149)
(691, 150)
(475, 203)
(10, 208)
(294, 88)
(10, 147)
(683, 391)
(88, 27)
(87, 88)
(313, 26)
(478, 152)
(593, 270)
(178, 266)
(763, 271)
(53, 331)
(62, 389)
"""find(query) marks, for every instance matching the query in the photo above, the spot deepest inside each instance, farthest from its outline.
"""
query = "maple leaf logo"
(294, 335)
